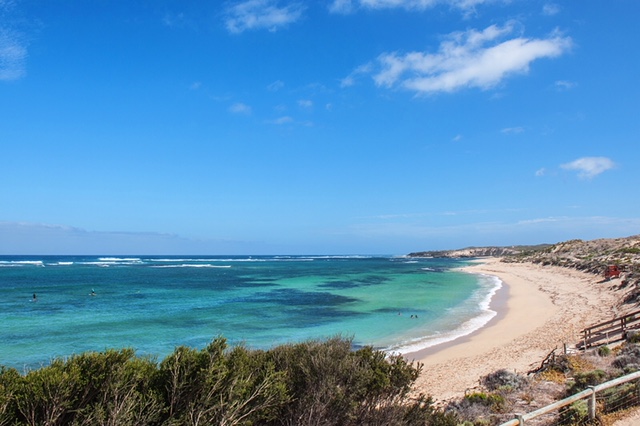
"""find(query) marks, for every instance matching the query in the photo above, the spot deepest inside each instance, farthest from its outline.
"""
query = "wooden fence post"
(592, 404)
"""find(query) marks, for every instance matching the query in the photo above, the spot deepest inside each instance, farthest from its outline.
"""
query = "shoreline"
(539, 309)
(498, 305)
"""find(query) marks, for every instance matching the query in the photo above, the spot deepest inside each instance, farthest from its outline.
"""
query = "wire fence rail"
(604, 398)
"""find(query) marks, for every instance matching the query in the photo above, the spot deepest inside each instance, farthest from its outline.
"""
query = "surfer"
(93, 293)
(35, 298)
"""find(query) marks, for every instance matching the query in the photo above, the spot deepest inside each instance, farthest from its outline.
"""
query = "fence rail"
(587, 393)
(609, 331)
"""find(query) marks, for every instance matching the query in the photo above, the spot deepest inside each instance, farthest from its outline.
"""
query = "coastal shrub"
(633, 336)
(628, 358)
(309, 383)
(478, 408)
(618, 398)
(331, 384)
(216, 386)
(128, 396)
(48, 395)
(562, 364)
(503, 380)
(604, 351)
(494, 401)
(421, 412)
(9, 382)
(583, 380)
(575, 414)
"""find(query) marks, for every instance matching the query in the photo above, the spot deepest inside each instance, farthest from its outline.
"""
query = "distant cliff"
(478, 252)
(591, 256)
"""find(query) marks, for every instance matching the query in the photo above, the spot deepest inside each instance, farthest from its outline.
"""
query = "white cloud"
(34, 238)
(275, 86)
(550, 9)
(541, 172)
(240, 108)
(350, 80)
(261, 14)
(177, 20)
(305, 103)
(512, 130)
(589, 167)
(13, 55)
(341, 6)
(282, 120)
(473, 58)
(457, 138)
(348, 6)
(565, 85)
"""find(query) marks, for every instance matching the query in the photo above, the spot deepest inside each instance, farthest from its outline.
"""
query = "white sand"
(539, 308)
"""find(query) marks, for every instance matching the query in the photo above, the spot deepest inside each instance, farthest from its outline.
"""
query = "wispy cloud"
(512, 130)
(240, 108)
(350, 80)
(275, 86)
(175, 20)
(282, 120)
(13, 47)
(260, 15)
(348, 6)
(40, 239)
(589, 167)
(470, 59)
(562, 85)
(550, 9)
(305, 103)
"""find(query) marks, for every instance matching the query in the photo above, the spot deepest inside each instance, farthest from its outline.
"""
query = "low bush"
(309, 383)
(583, 380)
(575, 414)
(604, 351)
(628, 358)
(503, 380)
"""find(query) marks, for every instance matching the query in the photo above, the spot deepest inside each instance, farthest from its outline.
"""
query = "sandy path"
(539, 308)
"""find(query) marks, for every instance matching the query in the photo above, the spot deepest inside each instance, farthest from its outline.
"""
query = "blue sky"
(306, 127)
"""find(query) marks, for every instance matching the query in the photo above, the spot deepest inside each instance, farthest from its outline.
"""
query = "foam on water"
(481, 298)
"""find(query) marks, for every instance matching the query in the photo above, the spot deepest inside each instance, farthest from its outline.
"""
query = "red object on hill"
(612, 271)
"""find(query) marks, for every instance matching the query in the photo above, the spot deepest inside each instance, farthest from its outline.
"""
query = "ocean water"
(154, 304)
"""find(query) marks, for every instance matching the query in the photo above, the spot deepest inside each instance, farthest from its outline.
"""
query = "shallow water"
(154, 304)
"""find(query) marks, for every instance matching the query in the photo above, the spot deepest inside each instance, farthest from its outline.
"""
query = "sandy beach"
(539, 308)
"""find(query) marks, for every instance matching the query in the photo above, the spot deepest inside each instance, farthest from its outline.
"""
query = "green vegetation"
(310, 383)
(604, 351)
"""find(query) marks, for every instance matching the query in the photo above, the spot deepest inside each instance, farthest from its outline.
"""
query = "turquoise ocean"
(154, 304)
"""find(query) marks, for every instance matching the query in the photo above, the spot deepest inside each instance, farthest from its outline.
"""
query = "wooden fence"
(609, 331)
